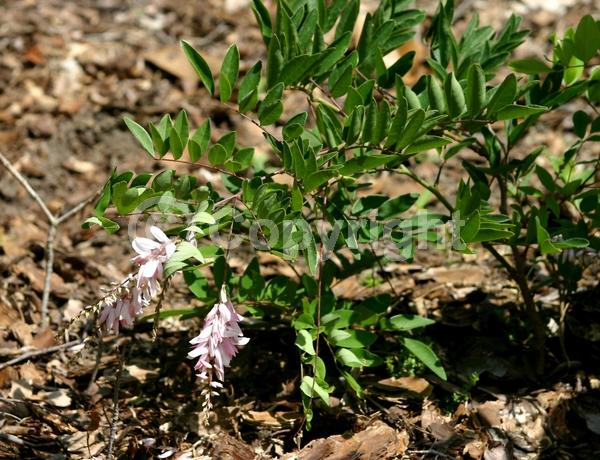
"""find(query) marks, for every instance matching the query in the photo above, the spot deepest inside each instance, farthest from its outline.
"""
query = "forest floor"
(69, 73)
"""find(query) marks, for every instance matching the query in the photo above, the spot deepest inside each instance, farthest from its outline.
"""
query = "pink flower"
(128, 299)
(218, 342)
(152, 254)
(121, 308)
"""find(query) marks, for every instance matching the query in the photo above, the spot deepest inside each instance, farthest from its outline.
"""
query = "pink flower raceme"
(218, 342)
(121, 308)
(152, 254)
(126, 302)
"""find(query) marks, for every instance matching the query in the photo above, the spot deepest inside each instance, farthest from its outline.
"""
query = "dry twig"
(37, 352)
(53, 222)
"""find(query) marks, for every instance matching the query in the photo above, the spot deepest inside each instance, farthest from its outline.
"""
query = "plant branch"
(406, 172)
(27, 186)
(53, 222)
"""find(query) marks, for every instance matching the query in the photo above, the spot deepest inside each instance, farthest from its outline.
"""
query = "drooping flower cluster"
(121, 306)
(216, 345)
(127, 301)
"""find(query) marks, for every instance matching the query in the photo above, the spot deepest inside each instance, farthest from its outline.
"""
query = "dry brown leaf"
(378, 441)
(415, 385)
(170, 59)
(31, 374)
(459, 275)
(8, 315)
(275, 420)
(79, 166)
(57, 398)
(474, 449)
(136, 373)
(20, 390)
(30, 271)
(23, 332)
(44, 339)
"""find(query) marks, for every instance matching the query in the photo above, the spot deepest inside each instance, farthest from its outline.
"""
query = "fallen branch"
(38, 352)
(53, 223)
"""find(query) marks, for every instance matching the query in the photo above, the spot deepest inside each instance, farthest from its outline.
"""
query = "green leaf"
(185, 251)
(370, 119)
(351, 381)
(593, 92)
(274, 62)
(398, 122)
(264, 20)
(353, 100)
(569, 243)
(426, 143)
(436, 95)
(229, 73)
(381, 123)
(529, 66)
(333, 54)
(357, 357)
(199, 141)
(423, 352)
(347, 19)
(248, 93)
(367, 203)
(587, 38)
(329, 125)
(353, 125)
(504, 95)
(349, 338)
(228, 142)
(294, 127)
(545, 178)
(297, 69)
(141, 135)
(182, 128)
(160, 144)
(580, 123)
(164, 126)
(317, 179)
(544, 240)
(107, 224)
(517, 111)
(203, 217)
(365, 163)
(395, 206)
(199, 65)
(339, 86)
(471, 228)
(398, 68)
(311, 388)
(409, 322)
(197, 283)
(271, 108)
(310, 246)
(455, 96)
(217, 155)
(573, 71)
(297, 199)
(304, 341)
(475, 96)
(176, 144)
(163, 181)
(412, 128)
